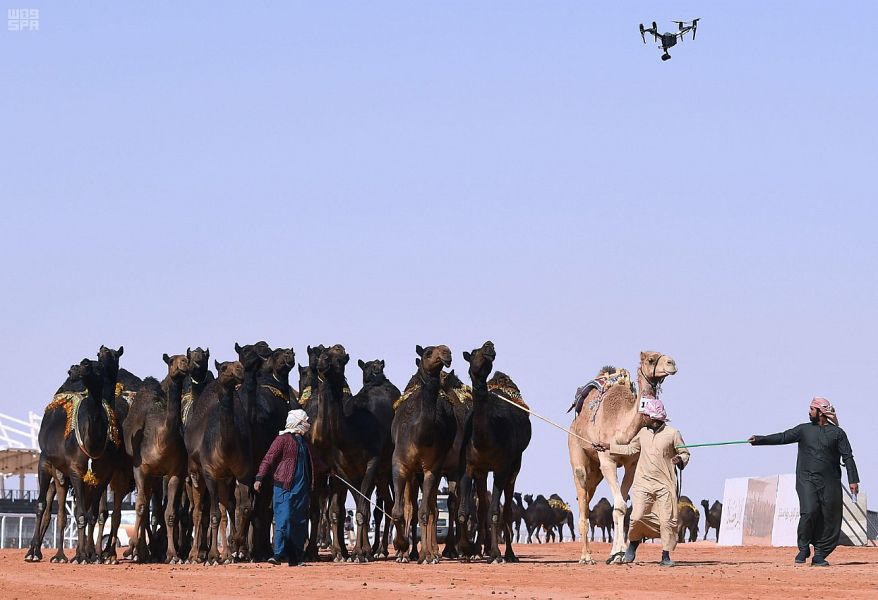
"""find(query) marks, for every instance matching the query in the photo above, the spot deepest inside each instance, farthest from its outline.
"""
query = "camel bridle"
(655, 381)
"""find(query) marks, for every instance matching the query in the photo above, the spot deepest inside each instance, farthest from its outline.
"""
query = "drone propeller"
(643, 33)
(694, 27)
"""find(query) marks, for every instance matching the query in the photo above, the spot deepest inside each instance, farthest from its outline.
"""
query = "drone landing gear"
(666, 56)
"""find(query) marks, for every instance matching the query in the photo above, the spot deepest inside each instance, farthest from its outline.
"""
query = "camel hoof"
(586, 561)
(497, 561)
(58, 560)
(402, 560)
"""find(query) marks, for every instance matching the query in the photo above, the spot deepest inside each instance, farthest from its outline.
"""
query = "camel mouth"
(446, 362)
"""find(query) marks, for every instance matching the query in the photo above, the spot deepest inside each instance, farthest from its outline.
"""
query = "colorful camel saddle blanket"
(123, 394)
(683, 504)
(559, 504)
(607, 378)
(449, 390)
(509, 391)
(305, 396)
(70, 402)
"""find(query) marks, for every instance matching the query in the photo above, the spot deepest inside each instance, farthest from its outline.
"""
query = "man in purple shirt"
(288, 463)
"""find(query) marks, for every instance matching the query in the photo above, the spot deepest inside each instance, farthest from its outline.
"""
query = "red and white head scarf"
(654, 409)
(823, 406)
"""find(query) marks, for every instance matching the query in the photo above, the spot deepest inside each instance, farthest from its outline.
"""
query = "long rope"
(715, 444)
(550, 422)
(369, 500)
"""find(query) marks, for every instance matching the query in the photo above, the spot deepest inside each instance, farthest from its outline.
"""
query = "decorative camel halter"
(186, 407)
(277, 392)
(305, 396)
(70, 402)
(461, 393)
(123, 394)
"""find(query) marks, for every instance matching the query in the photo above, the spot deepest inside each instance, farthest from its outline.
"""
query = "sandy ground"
(546, 571)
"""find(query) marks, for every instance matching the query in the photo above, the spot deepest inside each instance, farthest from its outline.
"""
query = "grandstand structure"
(19, 449)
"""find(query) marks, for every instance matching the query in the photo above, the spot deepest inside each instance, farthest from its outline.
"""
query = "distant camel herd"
(190, 445)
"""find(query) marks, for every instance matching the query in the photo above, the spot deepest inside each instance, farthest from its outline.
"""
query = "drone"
(669, 40)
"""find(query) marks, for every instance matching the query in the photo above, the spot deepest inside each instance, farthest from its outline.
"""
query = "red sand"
(546, 571)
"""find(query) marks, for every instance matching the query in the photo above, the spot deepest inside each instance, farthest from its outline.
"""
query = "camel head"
(332, 361)
(178, 365)
(199, 363)
(89, 372)
(252, 356)
(655, 366)
(304, 377)
(109, 359)
(282, 361)
(230, 373)
(481, 362)
(529, 499)
(373, 371)
(433, 358)
(314, 354)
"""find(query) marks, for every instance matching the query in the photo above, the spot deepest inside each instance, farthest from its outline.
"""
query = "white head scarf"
(297, 422)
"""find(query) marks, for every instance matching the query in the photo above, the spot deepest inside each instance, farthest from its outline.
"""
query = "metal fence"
(17, 530)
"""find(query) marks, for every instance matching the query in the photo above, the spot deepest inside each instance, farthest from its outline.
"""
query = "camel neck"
(646, 388)
(174, 399)
(481, 398)
(108, 389)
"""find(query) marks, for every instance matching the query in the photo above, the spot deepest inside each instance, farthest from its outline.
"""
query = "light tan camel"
(612, 413)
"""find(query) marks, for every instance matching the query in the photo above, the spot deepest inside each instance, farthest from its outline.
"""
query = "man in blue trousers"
(288, 462)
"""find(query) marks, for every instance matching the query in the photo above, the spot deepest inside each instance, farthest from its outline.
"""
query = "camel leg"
(337, 496)
(196, 487)
(401, 513)
(482, 535)
(385, 501)
(79, 511)
(44, 506)
(213, 490)
(103, 513)
(60, 521)
(509, 556)
(171, 524)
(246, 501)
(227, 510)
(427, 520)
(119, 484)
(140, 553)
(464, 512)
(608, 470)
(318, 498)
(585, 487)
(497, 489)
(452, 540)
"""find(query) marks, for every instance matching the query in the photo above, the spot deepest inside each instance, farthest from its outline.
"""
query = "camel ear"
(166, 358)
(417, 362)
(419, 350)
(121, 350)
(382, 364)
(216, 364)
(467, 356)
(309, 350)
(347, 358)
(188, 352)
(207, 353)
(362, 364)
(642, 356)
(237, 347)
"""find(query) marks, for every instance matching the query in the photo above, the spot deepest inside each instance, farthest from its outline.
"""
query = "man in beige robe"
(654, 490)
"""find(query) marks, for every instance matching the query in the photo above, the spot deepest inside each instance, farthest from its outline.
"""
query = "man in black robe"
(822, 443)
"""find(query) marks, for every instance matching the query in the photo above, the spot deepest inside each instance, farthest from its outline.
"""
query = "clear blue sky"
(386, 174)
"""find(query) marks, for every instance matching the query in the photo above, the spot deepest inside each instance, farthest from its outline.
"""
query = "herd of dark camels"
(190, 445)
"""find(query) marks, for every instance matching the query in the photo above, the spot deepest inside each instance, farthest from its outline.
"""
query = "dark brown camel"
(218, 442)
(116, 395)
(355, 439)
(74, 435)
(199, 376)
(602, 518)
(378, 395)
(538, 515)
(687, 517)
(495, 440)
(712, 517)
(517, 515)
(461, 398)
(154, 440)
(271, 403)
(423, 430)
(308, 401)
(563, 516)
